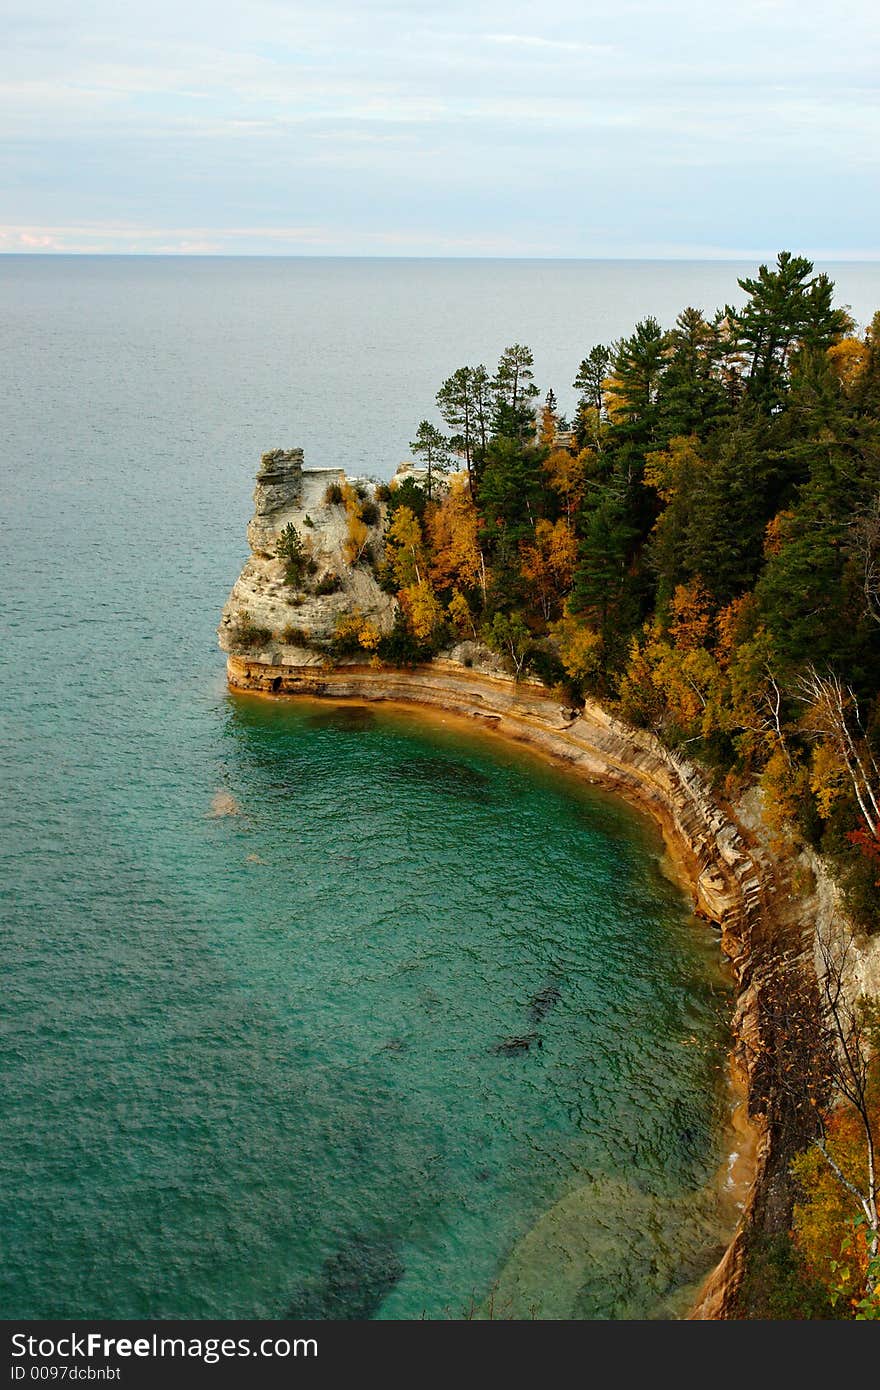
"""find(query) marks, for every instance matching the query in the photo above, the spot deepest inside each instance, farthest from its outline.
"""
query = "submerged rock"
(352, 1283)
(510, 1046)
(608, 1250)
(541, 1003)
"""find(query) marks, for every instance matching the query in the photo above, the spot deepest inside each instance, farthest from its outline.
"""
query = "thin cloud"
(573, 128)
(131, 238)
(554, 45)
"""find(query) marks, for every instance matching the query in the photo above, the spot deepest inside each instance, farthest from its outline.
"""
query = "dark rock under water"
(509, 1047)
(352, 1283)
(346, 719)
(541, 1003)
(448, 774)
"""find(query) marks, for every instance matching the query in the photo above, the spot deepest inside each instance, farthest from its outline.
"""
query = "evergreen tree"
(676, 474)
(590, 385)
(513, 393)
(462, 401)
(784, 307)
(603, 586)
(512, 488)
(807, 595)
(724, 540)
(289, 548)
(433, 447)
(637, 366)
(410, 494)
(692, 396)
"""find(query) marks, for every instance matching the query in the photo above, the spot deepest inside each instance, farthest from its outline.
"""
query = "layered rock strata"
(284, 623)
(733, 883)
(737, 883)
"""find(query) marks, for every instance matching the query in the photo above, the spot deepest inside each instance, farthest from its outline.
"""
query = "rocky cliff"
(292, 623)
(738, 882)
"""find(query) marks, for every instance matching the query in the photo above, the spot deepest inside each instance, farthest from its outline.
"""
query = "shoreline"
(731, 882)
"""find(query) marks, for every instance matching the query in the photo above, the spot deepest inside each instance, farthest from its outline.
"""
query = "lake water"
(262, 959)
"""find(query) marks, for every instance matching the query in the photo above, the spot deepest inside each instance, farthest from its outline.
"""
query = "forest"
(698, 549)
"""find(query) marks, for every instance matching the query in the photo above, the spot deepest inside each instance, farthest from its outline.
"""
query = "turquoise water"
(262, 1046)
(251, 1060)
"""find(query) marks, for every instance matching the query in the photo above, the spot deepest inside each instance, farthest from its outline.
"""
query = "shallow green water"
(282, 1071)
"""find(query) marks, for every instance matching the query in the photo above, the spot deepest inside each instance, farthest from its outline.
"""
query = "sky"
(621, 128)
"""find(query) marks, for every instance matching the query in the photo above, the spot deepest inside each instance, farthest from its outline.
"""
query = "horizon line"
(843, 257)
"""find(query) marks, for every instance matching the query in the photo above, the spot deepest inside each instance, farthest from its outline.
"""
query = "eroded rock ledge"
(280, 639)
(736, 885)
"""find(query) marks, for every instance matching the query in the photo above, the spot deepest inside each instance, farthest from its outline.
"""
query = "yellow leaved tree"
(405, 548)
(848, 359)
(579, 646)
(452, 528)
(358, 530)
(548, 562)
(423, 609)
(673, 682)
(566, 474)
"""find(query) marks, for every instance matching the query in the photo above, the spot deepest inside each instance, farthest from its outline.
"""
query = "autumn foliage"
(698, 547)
(703, 532)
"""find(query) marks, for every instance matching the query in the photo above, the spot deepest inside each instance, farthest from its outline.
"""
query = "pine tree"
(692, 396)
(432, 446)
(603, 585)
(729, 511)
(513, 391)
(637, 368)
(462, 401)
(590, 384)
(784, 307)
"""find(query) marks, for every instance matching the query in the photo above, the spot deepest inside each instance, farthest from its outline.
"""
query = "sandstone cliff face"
(295, 617)
(277, 496)
(733, 881)
(731, 887)
(738, 880)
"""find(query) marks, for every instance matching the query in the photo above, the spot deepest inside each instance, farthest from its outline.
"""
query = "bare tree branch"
(865, 531)
(833, 709)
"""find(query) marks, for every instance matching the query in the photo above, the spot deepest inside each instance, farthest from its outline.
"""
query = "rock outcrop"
(733, 881)
(281, 622)
(738, 882)
(277, 495)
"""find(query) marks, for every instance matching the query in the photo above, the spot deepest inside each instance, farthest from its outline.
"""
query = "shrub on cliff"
(329, 583)
(245, 633)
(401, 647)
(333, 495)
(545, 663)
(358, 530)
(291, 550)
(508, 635)
(407, 494)
(295, 636)
(354, 634)
(777, 1284)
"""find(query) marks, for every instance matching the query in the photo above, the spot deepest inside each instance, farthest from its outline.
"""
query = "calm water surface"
(259, 1062)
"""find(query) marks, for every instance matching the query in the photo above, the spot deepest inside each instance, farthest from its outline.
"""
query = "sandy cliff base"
(734, 883)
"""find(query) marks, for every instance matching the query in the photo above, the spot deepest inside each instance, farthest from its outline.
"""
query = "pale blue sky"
(623, 128)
